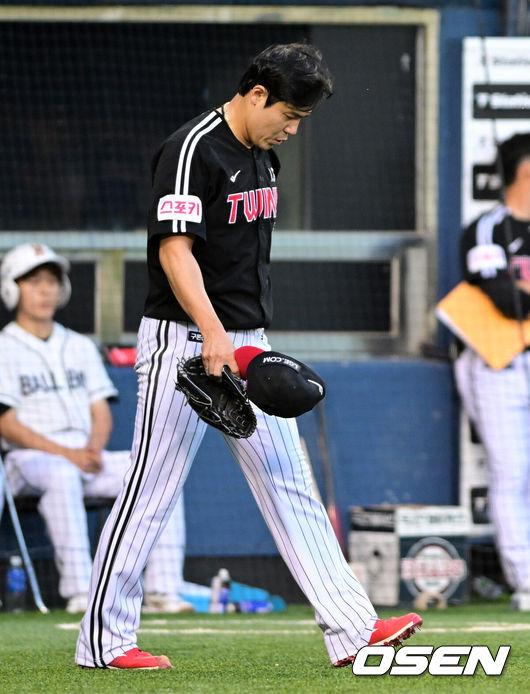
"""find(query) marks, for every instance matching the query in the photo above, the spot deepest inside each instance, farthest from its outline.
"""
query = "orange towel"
(472, 316)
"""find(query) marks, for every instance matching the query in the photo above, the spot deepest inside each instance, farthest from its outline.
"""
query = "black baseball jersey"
(207, 183)
(495, 248)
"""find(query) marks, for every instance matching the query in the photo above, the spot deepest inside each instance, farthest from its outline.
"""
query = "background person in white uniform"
(55, 422)
(496, 258)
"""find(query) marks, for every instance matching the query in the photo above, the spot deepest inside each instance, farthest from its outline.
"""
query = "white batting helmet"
(22, 259)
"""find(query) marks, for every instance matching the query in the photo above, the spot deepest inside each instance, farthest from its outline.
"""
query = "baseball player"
(55, 422)
(213, 210)
(495, 257)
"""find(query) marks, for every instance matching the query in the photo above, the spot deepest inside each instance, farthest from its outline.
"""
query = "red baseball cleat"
(140, 660)
(389, 632)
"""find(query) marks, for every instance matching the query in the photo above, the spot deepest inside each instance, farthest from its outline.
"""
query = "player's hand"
(218, 351)
(87, 459)
(96, 455)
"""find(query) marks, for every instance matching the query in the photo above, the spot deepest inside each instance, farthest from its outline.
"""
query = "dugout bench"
(39, 546)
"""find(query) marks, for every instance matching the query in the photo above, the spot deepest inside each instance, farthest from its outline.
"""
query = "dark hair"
(291, 72)
(511, 153)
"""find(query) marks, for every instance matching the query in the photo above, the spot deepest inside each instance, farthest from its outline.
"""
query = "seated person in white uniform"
(55, 422)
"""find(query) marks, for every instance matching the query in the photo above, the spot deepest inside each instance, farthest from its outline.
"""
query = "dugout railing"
(110, 255)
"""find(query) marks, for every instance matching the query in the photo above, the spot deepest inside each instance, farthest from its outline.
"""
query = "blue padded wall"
(392, 438)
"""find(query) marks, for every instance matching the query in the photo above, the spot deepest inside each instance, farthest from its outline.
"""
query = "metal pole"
(21, 541)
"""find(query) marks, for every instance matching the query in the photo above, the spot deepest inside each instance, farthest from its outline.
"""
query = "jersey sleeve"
(99, 385)
(485, 264)
(180, 182)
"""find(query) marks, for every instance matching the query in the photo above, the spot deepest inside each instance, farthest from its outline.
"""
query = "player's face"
(39, 295)
(272, 125)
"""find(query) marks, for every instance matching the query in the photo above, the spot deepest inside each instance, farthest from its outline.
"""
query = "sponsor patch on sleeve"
(486, 259)
(187, 208)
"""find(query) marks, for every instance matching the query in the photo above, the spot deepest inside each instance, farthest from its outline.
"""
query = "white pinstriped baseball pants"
(62, 486)
(167, 436)
(498, 401)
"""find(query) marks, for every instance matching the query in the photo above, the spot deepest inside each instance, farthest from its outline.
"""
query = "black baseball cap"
(282, 386)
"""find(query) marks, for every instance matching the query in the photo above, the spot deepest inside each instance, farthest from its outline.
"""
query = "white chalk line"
(164, 626)
(236, 632)
(205, 630)
(210, 623)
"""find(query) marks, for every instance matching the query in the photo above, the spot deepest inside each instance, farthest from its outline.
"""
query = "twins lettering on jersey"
(521, 266)
(262, 202)
(45, 382)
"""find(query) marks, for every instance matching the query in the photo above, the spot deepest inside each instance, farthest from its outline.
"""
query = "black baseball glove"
(222, 403)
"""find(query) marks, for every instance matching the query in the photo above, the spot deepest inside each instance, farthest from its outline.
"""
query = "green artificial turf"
(279, 652)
